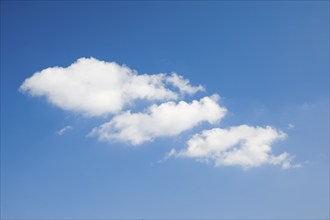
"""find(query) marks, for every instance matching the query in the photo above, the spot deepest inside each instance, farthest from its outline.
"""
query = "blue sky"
(268, 61)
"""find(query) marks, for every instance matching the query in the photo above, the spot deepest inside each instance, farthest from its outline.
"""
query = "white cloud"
(167, 119)
(95, 88)
(242, 145)
(290, 126)
(183, 84)
(63, 130)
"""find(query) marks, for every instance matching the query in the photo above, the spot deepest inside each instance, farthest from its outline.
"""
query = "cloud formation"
(167, 119)
(63, 130)
(243, 145)
(95, 88)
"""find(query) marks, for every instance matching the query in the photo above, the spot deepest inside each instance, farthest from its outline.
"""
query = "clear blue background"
(269, 60)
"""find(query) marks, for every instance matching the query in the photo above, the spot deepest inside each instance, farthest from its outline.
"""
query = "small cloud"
(243, 146)
(64, 130)
(183, 84)
(168, 155)
(290, 126)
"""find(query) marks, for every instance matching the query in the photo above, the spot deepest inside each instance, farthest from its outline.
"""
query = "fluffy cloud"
(167, 119)
(242, 145)
(183, 84)
(95, 88)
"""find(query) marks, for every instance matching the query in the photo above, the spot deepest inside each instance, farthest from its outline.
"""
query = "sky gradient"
(268, 62)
